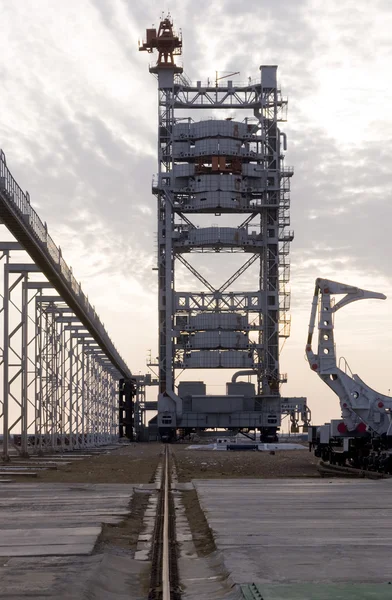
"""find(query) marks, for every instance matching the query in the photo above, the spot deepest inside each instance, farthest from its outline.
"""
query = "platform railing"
(20, 200)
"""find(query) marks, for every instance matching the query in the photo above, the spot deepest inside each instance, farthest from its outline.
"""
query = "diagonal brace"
(196, 273)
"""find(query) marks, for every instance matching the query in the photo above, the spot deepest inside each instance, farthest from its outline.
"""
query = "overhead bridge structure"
(65, 385)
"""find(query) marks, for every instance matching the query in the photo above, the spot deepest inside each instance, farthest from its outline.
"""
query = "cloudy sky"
(78, 126)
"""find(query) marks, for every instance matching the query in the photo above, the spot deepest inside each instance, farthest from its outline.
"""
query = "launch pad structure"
(231, 169)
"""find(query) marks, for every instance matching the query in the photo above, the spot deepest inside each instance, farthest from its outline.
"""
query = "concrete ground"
(48, 542)
(57, 519)
(303, 539)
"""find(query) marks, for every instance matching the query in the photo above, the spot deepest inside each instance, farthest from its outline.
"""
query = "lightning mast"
(215, 168)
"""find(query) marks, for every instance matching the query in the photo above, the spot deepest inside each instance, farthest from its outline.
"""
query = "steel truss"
(61, 374)
(269, 214)
(24, 223)
(224, 166)
(60, 392)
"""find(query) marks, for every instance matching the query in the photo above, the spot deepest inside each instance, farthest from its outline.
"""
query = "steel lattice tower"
(221, 167)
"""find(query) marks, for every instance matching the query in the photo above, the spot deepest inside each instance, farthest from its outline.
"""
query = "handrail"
(20, 201)
(346, 366)
(183, 80)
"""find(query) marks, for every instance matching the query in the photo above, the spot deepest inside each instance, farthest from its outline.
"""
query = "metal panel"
(214, 359)
(217, 339)
(325, 434)
(191, 388)
(183, 170)
(239, 419)
(268, 76)
(231, 321)
(241, 388)
(214, 128)
(217, 404)
(231, 201)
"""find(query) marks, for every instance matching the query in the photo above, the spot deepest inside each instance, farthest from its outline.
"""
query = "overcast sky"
(78, 115)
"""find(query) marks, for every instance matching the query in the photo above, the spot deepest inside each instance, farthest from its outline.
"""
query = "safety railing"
(184, 80)
(287, 171)
(20, 201)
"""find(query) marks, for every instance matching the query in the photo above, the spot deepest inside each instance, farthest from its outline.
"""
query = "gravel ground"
(214, 464)
(137, 463)
(124, 535)
(133, 463)
(202, 535)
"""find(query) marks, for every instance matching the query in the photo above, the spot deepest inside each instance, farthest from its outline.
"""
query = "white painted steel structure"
(232, 167)
(60, 370)
(24, 223)
(362, 408)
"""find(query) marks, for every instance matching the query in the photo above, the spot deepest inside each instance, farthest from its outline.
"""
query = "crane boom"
(363, 409)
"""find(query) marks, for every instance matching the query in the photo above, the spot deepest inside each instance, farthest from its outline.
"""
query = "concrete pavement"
(47, 536)
(305, 538)
(57, 519)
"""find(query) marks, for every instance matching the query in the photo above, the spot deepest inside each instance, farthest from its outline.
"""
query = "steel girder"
(60, 390)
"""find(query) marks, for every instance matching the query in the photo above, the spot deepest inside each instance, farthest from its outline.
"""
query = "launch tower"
(221, 168)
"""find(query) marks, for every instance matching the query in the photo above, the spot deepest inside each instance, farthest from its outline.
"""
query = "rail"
(18, 202)
(165, 554)
(164, 580)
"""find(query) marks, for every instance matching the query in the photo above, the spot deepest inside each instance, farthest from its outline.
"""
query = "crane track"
(164, 580)
(325, 468)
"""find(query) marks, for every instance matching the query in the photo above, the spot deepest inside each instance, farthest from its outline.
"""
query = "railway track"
(164, 580)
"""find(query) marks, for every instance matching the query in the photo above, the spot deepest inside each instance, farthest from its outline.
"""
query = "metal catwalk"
(64, 384)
